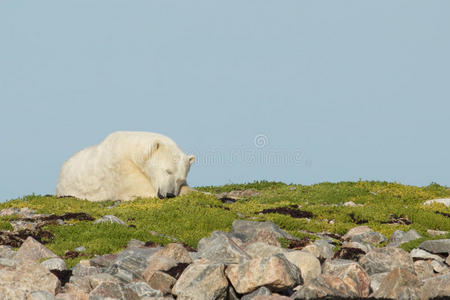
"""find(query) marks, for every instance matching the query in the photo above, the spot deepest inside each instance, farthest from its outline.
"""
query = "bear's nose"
(170, 195)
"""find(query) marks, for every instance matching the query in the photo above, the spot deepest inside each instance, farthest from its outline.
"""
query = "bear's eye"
(169, 172)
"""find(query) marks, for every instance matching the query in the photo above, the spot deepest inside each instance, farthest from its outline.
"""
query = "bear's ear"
(151, 150)
(191, 159)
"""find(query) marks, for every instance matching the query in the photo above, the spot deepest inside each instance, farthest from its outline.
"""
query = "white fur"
(125, 166)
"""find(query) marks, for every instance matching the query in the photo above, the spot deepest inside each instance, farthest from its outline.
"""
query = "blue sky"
(328, 90)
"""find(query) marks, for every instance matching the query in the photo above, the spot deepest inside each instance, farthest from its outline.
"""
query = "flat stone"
(110, 219)
(97, 279)
(142, 289)
(261, 249)
(201, 281)
(262, 291)
(438, 286)
(82, 270)
(371, 237)
(436, 232)
(80, 249)
(423, 269)
(274, 272)
(399, 237)
(308, 264)
(248, 230)
(436, 246)
(158, 263)
(103, 261)
(399, 284)
(386, 259)
(111, 290)
(54, 264)
(162, 282)
(445, 201)
(221, 248)
(422, 254)
(438, 266)
(351, 274)
(356, 231)
(177, 252)
(33, 250)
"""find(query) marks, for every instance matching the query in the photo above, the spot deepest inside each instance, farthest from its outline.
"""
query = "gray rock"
(54, 264)
(81, 270)
(161, 281)
(103, 261)
(422, 254)
(308, 264)
(142, 289)
(248, 230)
(376, 279)
(274, 272)
(386, 259)
(113, 291)
(221, 248)
(6, 252)
(349, 203)
(423, 269)
(355, 278)
(232, 295)
(399, 284)
(96, 279)
(262, 291)
(436, 246)
(201, 281)
(135, 244)
(445, 201)
(110, 219)
(80, 249)
(399, 237)
(447, 261)
(326, 249)
(177, 252)
(371, 237)
(438, 286)
(356, 231)
(33, 250)
(40, 295)
(8, 262)
(260, 249)
(438, 266)
(436, 232)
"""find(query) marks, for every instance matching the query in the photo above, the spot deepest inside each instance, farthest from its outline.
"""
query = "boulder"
(423, 269)
(352, 275)
(260, 249)
(445, 201)
(177, 252)
(33, 250)
(54, 264)
(386, 259)
(274, 272)
(438, 266)
(249, 230)
(202, 281)
(399, 237)
(221, 248)
(262, 291)
(436, 246)
(158, 263)
(438, 286)
(376, 279)
(112, 290)
(326, 250)
(308, 264)
(40, 295)
(161, 281)
(399, 284)
(142, 289)
(110, 219)
(422, 254)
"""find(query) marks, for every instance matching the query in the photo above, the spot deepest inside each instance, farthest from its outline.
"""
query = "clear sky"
(293, 91)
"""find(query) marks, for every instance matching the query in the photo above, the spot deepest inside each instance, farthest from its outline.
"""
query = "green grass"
(192, 217)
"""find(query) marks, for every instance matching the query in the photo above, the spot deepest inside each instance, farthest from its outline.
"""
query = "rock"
(7, 262)
(54, 264)
(131, 263)
(40, 295)
(349, 203)
(445, 201)
(447, 261)
(103, 261)
(351, 274)
(313, 249)
(112, 291)
(356, 231)
(7, 292)
(260, 249)
(438, 266)
(81, 283)
(80, 249)
(72, 292)
(423, 269)
(158, 263)
(436, 246)
(82, 270)
(274, 272)
(221, 248)
(399, 284)
(265, 236)
(23, 225)
(135, 244)
(386, 259)
(161, 281)
(142, 289)
(399, 237)
(436, 232)
(6, 252)
(271, 297)
(33, 250)
(308, 264)
(438, 286)
(232, 295)
(110, 219)
(262, 291)
(97, 279)
(175, 251)
(28, 276)
(353, 250)
(422, 254)
(248, 230)
(202, 281)
(371, 237)
(326, 249)
(376, 279)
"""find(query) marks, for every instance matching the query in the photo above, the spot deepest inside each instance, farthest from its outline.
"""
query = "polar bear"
(125, 166)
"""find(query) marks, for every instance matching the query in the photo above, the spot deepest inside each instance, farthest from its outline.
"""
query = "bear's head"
(167, 167)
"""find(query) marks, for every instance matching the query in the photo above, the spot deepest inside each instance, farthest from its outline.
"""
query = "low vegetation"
(383, 206)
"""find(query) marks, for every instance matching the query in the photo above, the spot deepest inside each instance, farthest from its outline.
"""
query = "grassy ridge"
(192, 217)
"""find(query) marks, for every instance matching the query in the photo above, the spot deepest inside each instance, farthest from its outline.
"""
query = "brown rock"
(260, 249)
(271, 297)
(97, 279)
(356, 231)
(274, 272)
(265, 236)
(162, 282)
(177, 252)
(352, 275)
(423, 269)
(386, 259)
(308, 264)
(201, 281)
(158, 263)
(33, 250)
(399, 284)
(112, 290)
(74, 292)
(438, 286)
